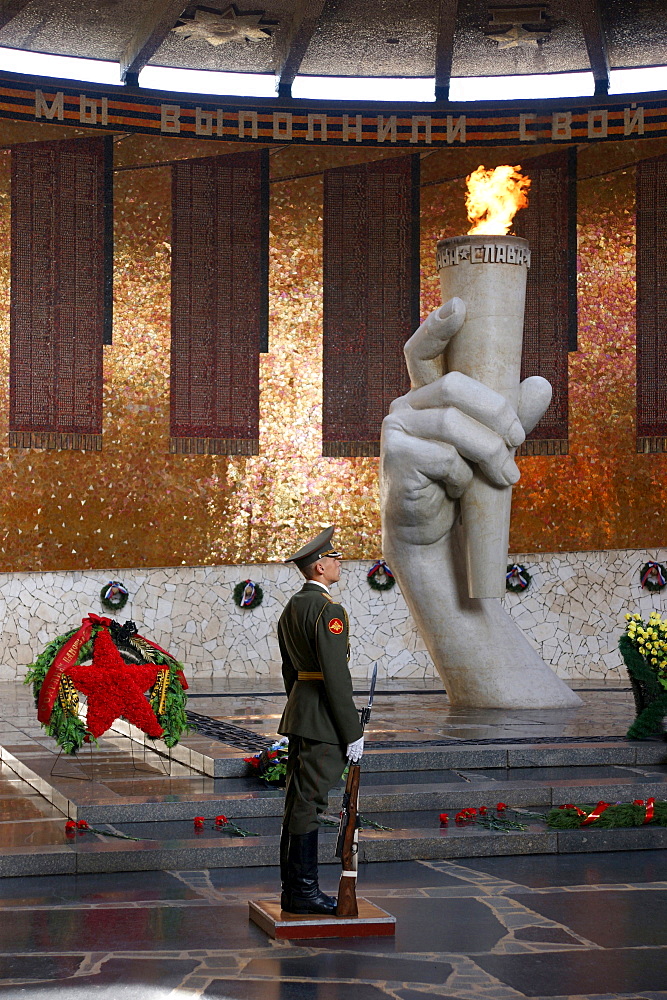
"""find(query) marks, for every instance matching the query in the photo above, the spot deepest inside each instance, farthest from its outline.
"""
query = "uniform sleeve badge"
(336, 626)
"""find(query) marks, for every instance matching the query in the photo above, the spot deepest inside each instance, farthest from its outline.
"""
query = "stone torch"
(488, 272)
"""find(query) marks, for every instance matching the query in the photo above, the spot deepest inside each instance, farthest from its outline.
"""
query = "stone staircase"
(142, 795)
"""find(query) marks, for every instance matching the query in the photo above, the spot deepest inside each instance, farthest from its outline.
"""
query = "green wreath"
(380, 569)
(167, 697)
(114, 596)
(517, 579)
(657, 569)
(256, 595)
(623, 814)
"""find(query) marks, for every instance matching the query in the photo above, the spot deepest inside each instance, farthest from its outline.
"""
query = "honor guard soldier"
(320, 718)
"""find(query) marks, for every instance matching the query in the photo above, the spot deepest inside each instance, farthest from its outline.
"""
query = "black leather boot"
(303, 893)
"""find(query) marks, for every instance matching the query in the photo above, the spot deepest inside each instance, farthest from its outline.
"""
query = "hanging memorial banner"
(549, 223)
(371, 297)
(219, 303)
(61, 260)
(651, 200)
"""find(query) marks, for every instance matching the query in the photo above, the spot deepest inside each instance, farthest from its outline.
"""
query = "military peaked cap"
(315, 549)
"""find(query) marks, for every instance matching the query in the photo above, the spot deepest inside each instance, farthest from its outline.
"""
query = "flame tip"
(493, 198)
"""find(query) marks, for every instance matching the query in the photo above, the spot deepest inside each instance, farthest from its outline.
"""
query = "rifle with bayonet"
(347, 845)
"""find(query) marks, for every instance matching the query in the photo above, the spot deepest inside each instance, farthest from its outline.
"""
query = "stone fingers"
(473, 398)
(534, 398)
(471, 439)
(424, 349)
(413, 458)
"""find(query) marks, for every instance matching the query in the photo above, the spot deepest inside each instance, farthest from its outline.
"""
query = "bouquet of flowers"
(650, 639)
(271, 765)
(643, 646)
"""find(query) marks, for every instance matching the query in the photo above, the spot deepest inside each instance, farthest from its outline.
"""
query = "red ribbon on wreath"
(248, 595)
(179, 673)
(516, 577)
(380, 568)
(592, 816)
(597, 812)
(649, 806)
(67, 657)
(653, 569)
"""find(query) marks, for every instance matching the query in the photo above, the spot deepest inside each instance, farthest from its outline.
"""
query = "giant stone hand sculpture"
(432, 438)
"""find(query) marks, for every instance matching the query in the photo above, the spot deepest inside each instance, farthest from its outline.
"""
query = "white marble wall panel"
(572, 613)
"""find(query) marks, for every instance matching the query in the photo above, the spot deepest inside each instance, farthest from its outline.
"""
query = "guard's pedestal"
(371, 922)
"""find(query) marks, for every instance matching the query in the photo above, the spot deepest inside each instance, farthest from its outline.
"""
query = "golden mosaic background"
(134, 504)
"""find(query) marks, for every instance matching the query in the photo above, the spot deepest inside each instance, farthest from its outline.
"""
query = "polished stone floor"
(580, 925)
(424, 713)
(584, 926)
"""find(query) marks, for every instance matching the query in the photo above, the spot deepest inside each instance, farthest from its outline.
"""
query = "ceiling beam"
(293, 41)
(9, 9)
(591, 22)
(157, 21)
(444, 45)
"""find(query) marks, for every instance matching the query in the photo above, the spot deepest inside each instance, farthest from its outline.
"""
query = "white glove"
(355, 750)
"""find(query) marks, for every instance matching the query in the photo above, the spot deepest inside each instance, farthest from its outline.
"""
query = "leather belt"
(310, 675)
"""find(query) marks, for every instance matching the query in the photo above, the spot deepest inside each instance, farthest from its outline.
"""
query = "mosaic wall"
(572, 613)
(135, 505)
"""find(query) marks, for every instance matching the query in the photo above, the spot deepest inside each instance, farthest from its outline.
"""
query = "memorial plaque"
(651, 305)
(550, 326)
(371, 297)
(60, 263)
(219, 302)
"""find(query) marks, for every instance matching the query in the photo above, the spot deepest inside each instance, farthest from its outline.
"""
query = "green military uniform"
(320, 717)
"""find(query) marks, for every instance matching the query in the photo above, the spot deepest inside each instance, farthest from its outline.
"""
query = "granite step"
(426, 798)
(219, 760)
(91, 853)
(118, 795)
(433, 800)
(33, 839)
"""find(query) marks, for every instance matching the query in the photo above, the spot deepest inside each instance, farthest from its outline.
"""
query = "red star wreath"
(115, 688)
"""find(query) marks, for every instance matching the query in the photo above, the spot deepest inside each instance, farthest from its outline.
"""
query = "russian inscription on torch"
(482, 253)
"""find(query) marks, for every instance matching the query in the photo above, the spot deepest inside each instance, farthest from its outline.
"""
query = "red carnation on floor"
(115, 688)
(221, 821)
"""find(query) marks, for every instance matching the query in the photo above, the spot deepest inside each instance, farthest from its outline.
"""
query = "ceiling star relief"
(516, 37)
(228, 26)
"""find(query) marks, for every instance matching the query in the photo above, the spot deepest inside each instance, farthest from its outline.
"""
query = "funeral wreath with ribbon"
(640, 812)
(113, 596)
(121, 673)
(248, 594)
(380, 577)
(653, 576)
(517, 578)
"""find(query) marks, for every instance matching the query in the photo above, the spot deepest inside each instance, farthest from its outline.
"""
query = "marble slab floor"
(580, 926)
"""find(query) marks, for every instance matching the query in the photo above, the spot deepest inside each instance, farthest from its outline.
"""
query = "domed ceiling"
(373, 38)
